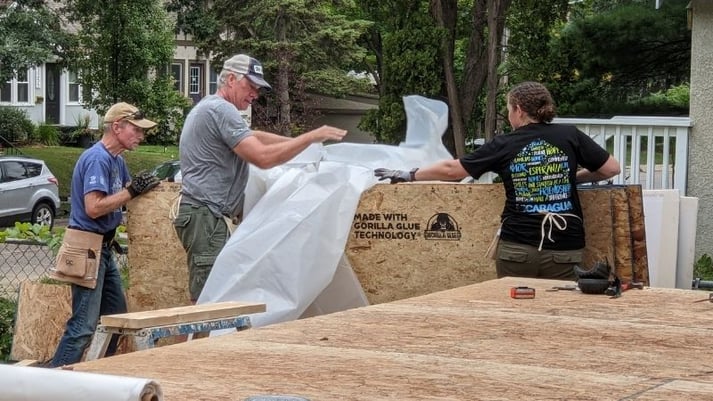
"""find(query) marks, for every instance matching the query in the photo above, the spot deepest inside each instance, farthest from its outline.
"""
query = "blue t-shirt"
(97, 170)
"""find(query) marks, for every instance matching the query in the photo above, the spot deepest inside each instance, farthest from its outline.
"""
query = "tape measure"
(522, 292)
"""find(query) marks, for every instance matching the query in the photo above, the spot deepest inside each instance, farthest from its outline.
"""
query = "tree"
(607, 57)
(467, 36)
(124, 48)
(30, 34)
(633, 47)
(303, 44)
(406, 45)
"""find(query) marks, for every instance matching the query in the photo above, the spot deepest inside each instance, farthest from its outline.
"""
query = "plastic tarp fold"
(22, 383)
(298, 218)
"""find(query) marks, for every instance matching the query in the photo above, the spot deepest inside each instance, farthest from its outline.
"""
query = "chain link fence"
(22, 260)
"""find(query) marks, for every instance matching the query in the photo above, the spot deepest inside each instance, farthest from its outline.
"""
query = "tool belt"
(78, 258)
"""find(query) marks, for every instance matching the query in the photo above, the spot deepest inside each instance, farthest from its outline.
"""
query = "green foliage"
(169, 119)
(411, 66)
(34, 232)
(124, 48)
(676, 96)
(597, 74)
(47, 134)
(532, 24)
(7, 322)
(30, 34)
(15, 126)
(332, 82)
(703, 268)
(299, 42)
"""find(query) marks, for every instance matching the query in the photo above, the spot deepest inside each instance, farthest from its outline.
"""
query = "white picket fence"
(652, 151)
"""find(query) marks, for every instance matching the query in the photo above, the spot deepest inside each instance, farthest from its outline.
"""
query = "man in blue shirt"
(101, 185)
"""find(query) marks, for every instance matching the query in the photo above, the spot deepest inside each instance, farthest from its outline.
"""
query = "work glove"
(142, 183)
(600, 270)
(395, 176)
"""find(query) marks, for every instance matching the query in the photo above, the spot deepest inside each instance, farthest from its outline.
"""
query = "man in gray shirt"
(216, 146)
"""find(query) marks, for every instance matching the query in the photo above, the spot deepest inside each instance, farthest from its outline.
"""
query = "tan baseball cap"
(130, 113)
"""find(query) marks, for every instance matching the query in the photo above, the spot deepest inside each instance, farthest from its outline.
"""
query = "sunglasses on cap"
(137, 115)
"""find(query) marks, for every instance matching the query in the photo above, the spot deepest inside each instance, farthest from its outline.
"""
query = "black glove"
(395, 175)
(142, 183)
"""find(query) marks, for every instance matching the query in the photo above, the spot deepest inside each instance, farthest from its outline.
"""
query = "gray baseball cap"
(248, 66)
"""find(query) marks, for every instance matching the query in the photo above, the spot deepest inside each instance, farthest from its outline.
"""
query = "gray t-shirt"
(212, 174)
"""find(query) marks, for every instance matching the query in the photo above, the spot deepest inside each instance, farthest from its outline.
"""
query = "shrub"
(47, 134)
(7, 320)
(703, 268)
(15, 126)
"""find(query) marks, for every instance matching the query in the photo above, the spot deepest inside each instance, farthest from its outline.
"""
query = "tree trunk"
(284, 119)
(445, 13)
(496, 25)
(475, 69)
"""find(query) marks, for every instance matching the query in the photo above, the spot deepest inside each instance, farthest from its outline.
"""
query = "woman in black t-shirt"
(540, 163)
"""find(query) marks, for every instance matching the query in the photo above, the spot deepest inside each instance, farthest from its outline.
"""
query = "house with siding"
(51, 94)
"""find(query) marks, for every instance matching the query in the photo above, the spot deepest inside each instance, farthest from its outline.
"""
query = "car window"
(32, 169)
(17, 170)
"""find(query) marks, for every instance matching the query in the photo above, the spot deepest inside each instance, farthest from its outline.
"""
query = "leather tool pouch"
(78, 258)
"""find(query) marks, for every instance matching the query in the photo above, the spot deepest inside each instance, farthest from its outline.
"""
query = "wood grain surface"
(468, 343)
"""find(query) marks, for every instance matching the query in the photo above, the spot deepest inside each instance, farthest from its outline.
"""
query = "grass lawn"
(61, 160)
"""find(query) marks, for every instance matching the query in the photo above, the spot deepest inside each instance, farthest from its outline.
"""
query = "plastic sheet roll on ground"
(20, 383)
(298, 218)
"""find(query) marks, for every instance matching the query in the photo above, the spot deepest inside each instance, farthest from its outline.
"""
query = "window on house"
(195, 76)
(6, 92)
(177, 74)
(75, 89)
(213, 82)
(17, 89)
(23, 87)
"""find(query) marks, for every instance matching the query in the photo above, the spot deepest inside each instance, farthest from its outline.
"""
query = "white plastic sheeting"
(298, 218)
(22, 383)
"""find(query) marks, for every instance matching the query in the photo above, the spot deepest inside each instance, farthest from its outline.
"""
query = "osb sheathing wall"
(42, 311)
(158, 276)
(392, 247)
(414, 239)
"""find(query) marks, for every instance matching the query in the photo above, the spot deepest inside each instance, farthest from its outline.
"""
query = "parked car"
(169, 171)
(29, 192)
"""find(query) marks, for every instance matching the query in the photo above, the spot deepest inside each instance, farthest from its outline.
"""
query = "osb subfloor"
(469, 343)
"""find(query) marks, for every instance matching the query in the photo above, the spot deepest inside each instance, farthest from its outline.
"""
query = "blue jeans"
(87, 305)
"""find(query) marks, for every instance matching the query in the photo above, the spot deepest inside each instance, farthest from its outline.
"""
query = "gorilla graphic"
(443, 222)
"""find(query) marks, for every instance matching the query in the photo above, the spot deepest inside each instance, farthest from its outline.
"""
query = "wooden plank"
(181, 314)
(638, 233)
(472, 342)
(26, 362)
(598, 214)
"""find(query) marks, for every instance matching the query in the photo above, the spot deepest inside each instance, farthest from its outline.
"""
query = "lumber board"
(181, 314)
(472, 342)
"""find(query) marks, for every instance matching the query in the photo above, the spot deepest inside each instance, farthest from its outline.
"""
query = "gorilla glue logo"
(441, 226)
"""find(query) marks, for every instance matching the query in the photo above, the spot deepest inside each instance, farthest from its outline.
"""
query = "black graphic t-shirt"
(538, 166)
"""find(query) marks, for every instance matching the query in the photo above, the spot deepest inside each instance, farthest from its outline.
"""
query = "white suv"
(28, 191)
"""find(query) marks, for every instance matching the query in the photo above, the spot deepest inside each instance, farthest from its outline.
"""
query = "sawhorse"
(149, 326)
